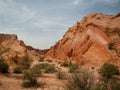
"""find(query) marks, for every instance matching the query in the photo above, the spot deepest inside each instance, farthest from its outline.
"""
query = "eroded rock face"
(12, 49)
(87, 41)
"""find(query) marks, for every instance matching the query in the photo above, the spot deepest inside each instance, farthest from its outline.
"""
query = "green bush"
(108, 81)
(25, 62)
(42, 65)
(47, 68)
(4, 67)
(23, 65)
(17, 69)
(41, 60)
(61, 75)
(36, 69)
(66, 63)
(115, 83)
(107, 70)
(111, 84)
(50, 68)
(73, 68)
(30, 83)
(29, 80)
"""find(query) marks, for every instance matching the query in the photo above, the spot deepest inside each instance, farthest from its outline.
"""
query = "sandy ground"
(13, 82)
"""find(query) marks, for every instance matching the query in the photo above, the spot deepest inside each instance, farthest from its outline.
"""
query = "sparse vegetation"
(49, 60)
(30, 80)
(108, 84)
(25, 62)
(42, 65)
(115, 84)
(4, 67)
(23, 65)
(66, 63)
(73, 68)
(36, 69)
(41, 60)
(80, 81)
(46, 67)
(17, 70)
(107, 70)
(50, 68)
(108, 81)
(61, 75)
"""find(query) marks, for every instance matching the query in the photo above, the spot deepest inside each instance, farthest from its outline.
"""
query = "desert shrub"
(4, 67)
(61, 75)
(107, 70)
(50, 68)
(48, 60)
(17, 69)
(115, 83)
(25, 62)
(42, 65)
(99, 86)
(47, 68)
(36, 69)
(107, 84)
(30, 80)
(110, 45)
(23, 65)
(108, 81)
(80, 81)
(66, 63)
(41, 60)
(73, 68)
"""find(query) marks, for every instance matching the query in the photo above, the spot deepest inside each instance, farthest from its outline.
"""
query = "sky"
(41, 23)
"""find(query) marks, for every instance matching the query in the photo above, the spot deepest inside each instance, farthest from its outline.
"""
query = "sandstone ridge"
(87, 41)
(12, 49)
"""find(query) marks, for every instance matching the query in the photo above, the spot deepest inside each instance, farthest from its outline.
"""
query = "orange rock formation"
(87, 41)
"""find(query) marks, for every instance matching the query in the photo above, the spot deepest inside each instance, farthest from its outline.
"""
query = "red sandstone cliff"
(87, 41)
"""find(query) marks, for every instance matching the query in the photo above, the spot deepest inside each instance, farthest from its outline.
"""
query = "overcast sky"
(41, 23)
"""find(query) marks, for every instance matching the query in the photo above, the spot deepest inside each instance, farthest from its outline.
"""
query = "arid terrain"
(86, 56)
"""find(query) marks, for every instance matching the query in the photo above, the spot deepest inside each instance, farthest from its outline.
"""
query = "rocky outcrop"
(37, 52)
(12, 49)
(87, 41)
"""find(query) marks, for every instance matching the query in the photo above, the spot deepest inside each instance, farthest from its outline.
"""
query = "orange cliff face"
(87, 41)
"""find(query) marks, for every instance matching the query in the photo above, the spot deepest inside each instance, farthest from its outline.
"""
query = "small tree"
(107, 70)
(3, 66)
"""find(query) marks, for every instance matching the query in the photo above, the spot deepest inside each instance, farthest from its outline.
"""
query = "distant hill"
(12, 49)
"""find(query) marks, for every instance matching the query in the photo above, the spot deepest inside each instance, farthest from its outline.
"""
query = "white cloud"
(27, 14)
(48, 24)
(76, 2)
(15, 13)
(108, 1)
